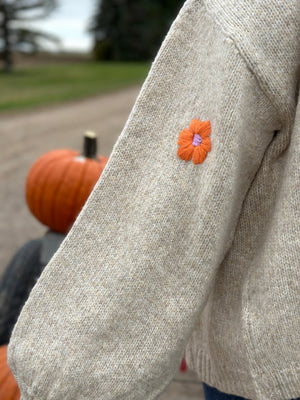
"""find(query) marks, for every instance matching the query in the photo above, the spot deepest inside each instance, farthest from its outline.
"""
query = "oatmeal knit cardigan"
(169, 255)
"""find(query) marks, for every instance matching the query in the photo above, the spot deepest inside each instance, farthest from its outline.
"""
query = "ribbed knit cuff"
(279, 385)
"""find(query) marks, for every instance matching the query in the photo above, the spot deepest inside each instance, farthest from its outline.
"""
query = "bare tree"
(14, 36)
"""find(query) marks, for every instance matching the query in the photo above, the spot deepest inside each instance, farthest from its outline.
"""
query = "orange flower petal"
(195, 126)
(205, 129)
(206, 144)
(185, 137)
(185, 152)
(199, 155)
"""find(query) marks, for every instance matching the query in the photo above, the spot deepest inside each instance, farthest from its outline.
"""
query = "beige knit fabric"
(168, 256)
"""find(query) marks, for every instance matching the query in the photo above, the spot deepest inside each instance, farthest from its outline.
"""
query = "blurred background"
(67, 67)
(56, 58)
(109, 44)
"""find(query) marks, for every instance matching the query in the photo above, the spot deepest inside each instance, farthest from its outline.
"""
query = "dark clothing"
(211, 393)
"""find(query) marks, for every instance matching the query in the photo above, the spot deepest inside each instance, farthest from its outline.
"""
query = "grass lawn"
(31, 86)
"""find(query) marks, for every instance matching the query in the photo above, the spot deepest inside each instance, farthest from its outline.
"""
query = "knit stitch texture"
(169, 256)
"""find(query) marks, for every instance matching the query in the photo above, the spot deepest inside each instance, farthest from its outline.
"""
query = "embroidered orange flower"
(195, 142)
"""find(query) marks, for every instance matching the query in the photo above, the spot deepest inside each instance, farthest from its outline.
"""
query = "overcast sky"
(70, 22)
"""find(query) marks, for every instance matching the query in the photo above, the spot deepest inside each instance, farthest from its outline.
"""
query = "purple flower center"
(197, 139)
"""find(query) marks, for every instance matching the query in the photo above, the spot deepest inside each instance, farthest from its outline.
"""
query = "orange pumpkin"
(9, 389)
(59, 183)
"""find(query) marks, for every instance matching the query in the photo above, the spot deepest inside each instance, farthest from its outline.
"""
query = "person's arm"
(112, 312)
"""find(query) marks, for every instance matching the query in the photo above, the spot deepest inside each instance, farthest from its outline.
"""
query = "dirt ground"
(26, 136)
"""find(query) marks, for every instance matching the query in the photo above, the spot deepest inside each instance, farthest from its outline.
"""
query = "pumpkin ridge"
(93, 177)
(16, 393)
(79, 190)
(42, 208)
(3, 363)
(76, 192)
(3, 356)
(38, 201)
(8, 372)
(54, 202)
(31, 189)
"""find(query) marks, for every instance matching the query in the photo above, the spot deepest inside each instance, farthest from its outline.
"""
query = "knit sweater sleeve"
(112, 312)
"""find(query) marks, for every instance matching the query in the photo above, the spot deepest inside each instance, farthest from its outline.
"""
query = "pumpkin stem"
(90, 145)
